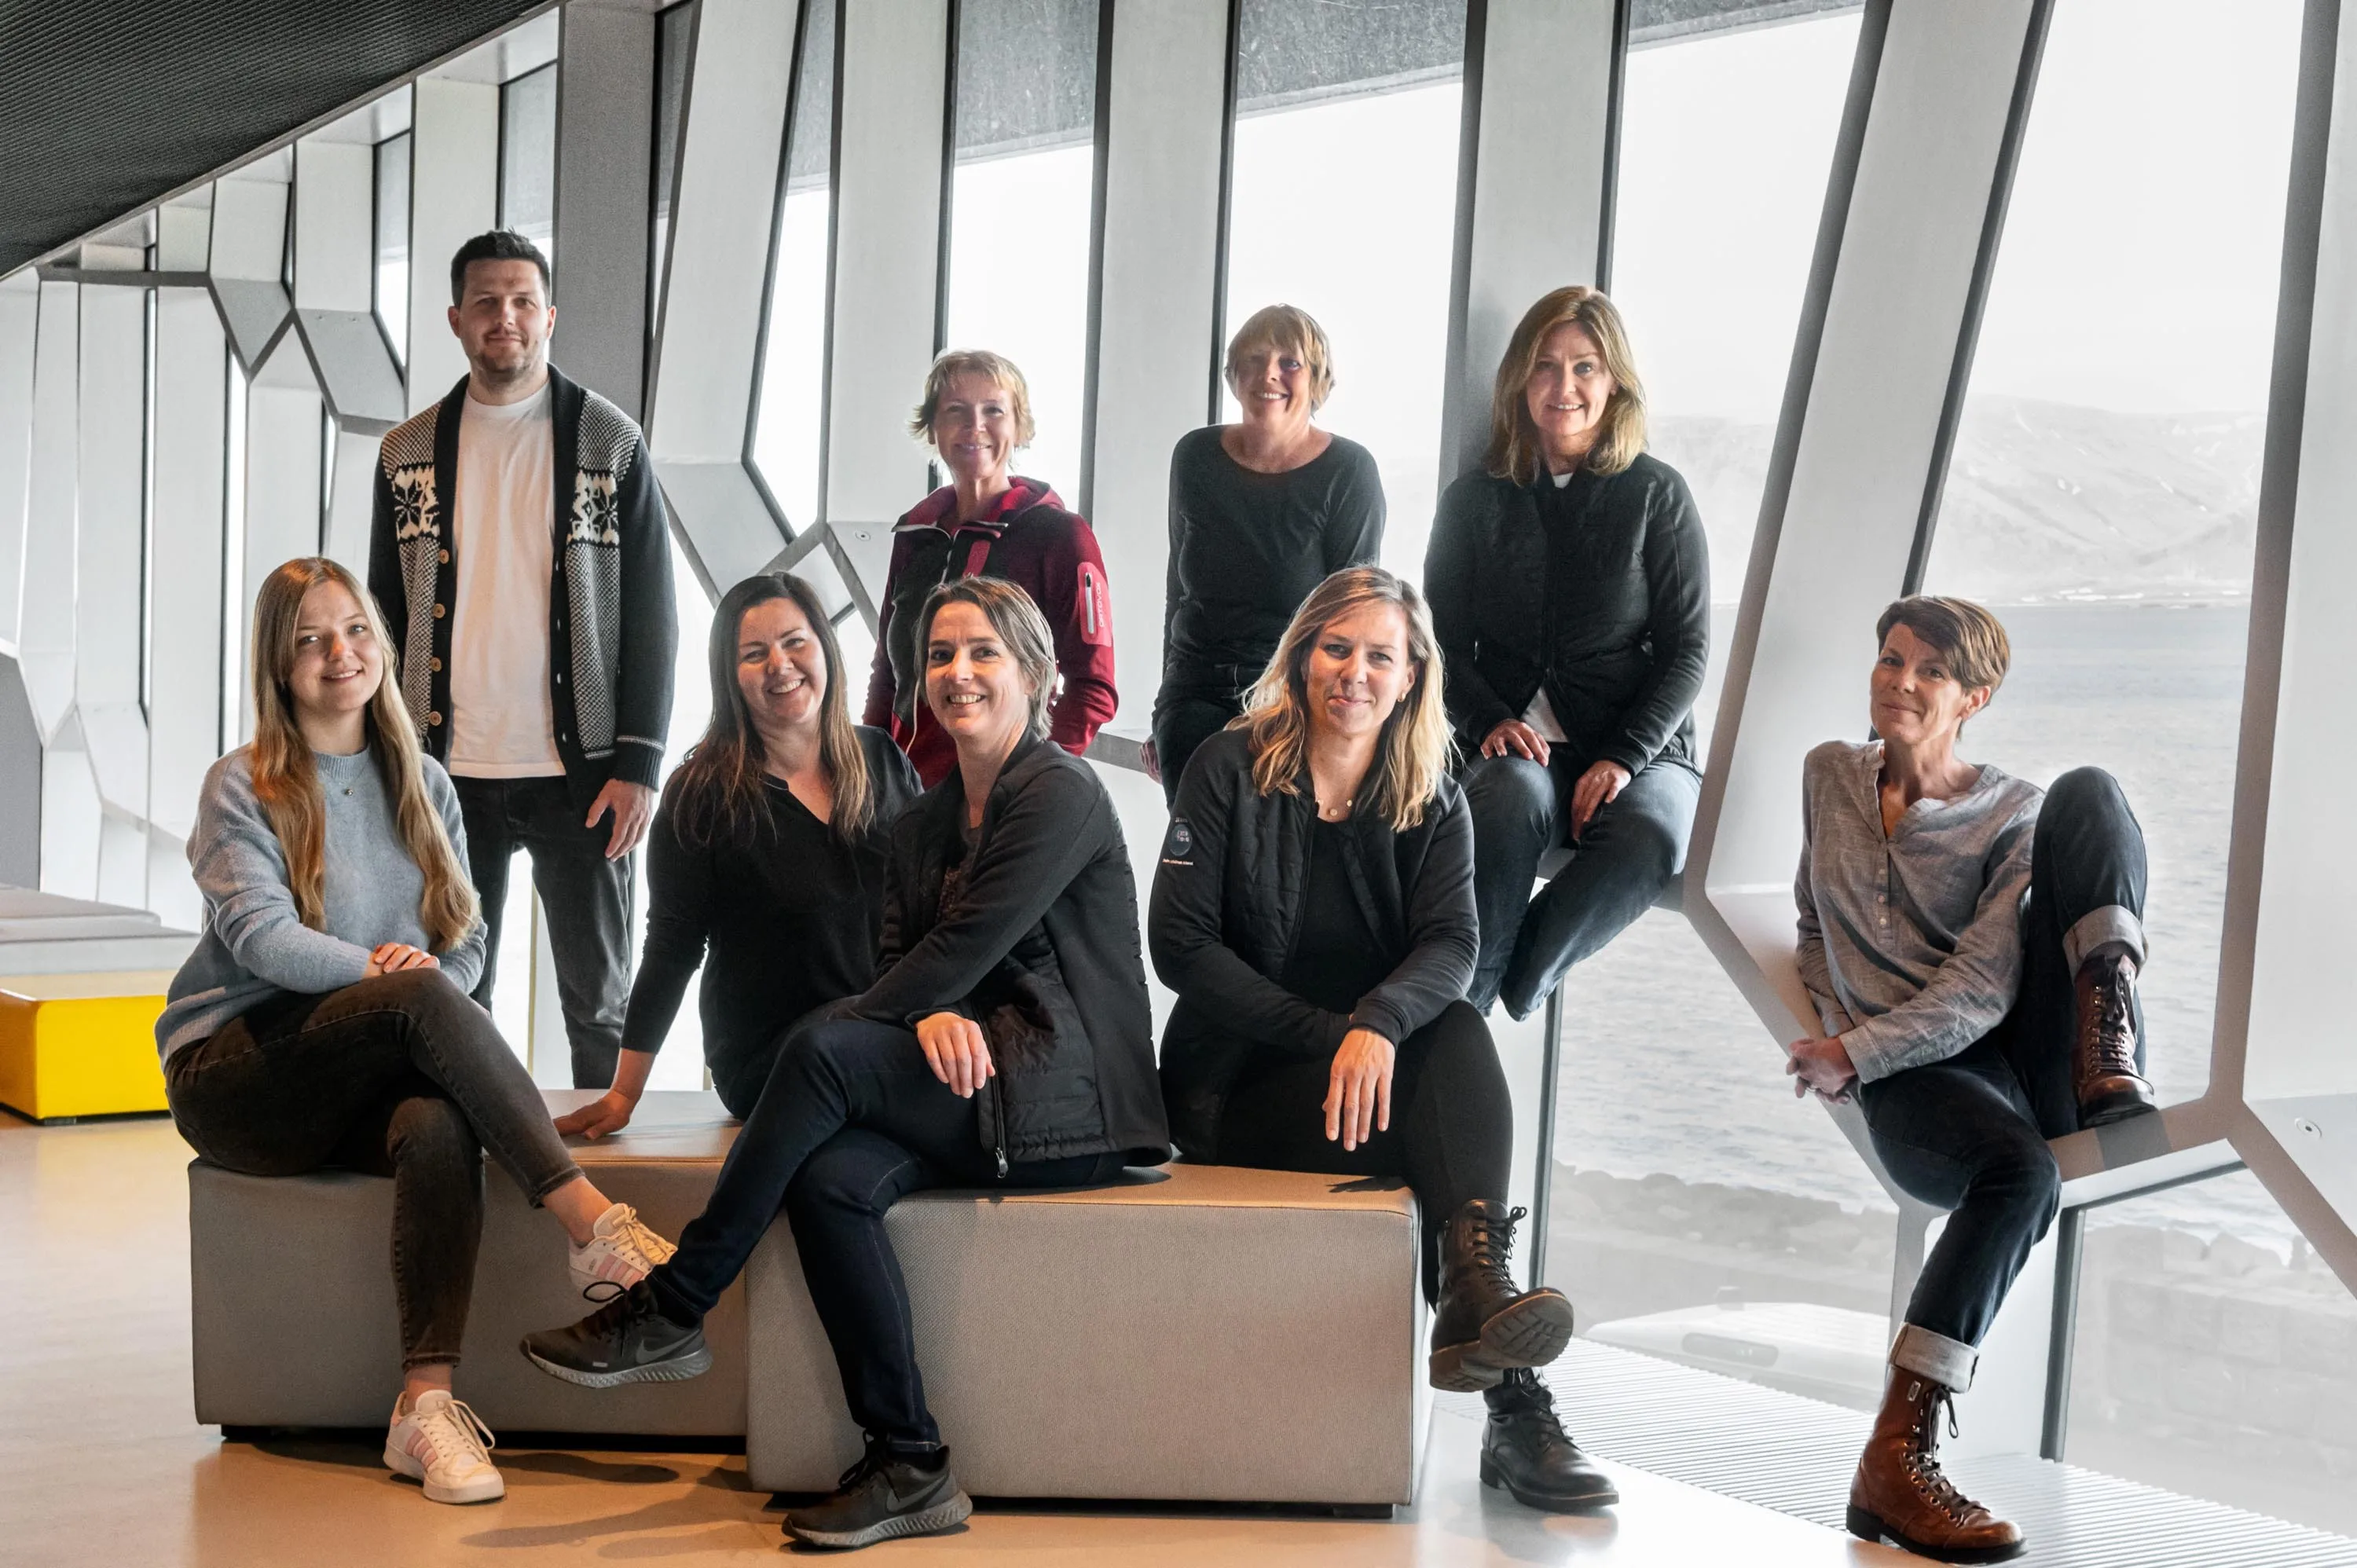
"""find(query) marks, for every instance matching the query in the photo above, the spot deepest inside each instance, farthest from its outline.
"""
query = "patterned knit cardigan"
(612, 623)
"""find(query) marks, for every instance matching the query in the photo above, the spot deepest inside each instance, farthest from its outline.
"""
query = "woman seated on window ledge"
(1006, 1041)
(1972, 949)
(765, 861)
(1314, 912)
(323, 1018)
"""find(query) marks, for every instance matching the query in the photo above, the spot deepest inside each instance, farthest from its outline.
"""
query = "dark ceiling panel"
(106, 106)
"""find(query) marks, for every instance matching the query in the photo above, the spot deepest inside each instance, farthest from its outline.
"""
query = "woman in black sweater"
(766, 863)
(1314, 912)
(1570, 583)
(1006, 1041)
(1261, 513)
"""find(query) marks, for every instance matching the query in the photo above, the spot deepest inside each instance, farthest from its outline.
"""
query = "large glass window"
(1020, 201)
(2210, 1337)
(674, 36)
(2104, 487)
(392, 166)
(787, 414)
(528, 158)
(1343, 199)
(1698, 1211)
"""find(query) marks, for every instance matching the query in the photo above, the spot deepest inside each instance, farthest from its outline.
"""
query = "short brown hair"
(980, 362)
(1283, 327)
(1513, 451)
(1019, 623)
(1971, 639)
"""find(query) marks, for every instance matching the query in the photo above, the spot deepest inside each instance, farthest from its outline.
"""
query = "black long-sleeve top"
(1247, 548)
(782, 924)
(1230, 903)
(1599, 591)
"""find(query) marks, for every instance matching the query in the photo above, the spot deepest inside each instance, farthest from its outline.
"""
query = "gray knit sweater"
(254, 946)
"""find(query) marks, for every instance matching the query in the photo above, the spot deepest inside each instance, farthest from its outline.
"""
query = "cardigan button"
(444, 556)
(433, 718)
(437, 665)
(440, 610)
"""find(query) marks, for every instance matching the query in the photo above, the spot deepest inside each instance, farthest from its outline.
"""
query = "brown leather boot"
(1901, 1495)
(2103, 1056)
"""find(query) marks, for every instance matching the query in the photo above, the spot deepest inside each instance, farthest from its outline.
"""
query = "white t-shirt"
(1540, 714)
(502, 722)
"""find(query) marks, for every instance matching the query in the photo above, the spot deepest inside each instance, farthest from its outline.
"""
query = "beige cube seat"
(1198, 1332)
(293, 1320)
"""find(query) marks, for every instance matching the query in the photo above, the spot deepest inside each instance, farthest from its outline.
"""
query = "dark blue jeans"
(586, 897)
(1632, 850)
(1968, 1134)
(851, 1121)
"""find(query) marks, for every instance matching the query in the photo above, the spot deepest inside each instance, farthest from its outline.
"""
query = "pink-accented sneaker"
(618, 1256)
(441, 1442)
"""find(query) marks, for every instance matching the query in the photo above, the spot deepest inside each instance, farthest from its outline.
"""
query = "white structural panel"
(1164, 126)
(284, 446)
(335, 225)
(1535, 219)
(184, 676)
(891, 93)
(454, 183)
(249, 252)
(109, 616)
(20, 310)
(2291, 1062)
(700, 398)
(44, 628)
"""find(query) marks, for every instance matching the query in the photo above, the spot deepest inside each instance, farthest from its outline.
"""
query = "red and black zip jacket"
(1031, 540)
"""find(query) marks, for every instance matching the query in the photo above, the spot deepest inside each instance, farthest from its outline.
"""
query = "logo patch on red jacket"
(1094, 608)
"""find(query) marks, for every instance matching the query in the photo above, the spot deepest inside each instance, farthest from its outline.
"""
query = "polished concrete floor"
(102, 1463)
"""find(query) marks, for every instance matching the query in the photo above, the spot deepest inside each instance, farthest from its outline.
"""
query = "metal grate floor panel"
(1793, 1454)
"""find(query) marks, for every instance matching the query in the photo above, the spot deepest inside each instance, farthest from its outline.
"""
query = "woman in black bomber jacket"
(1007, 1040)
(1314, 912)
(1570, 584)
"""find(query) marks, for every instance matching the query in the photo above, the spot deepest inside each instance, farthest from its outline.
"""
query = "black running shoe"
(628, 1340)
(884, 1497)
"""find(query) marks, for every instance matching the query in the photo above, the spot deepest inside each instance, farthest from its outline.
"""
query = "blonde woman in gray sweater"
(323, 1018)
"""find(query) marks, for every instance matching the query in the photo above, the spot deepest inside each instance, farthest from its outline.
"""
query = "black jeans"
(1188, 711)
(584, 895)
(1968, 1134)
(851, 1121)
(1633, 847)
(1452, 1132)
(399, 1076)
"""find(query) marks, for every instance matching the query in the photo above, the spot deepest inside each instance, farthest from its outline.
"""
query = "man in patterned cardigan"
(519, 553)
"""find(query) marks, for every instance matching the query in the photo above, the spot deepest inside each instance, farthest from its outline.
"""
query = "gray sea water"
(1667, 1071)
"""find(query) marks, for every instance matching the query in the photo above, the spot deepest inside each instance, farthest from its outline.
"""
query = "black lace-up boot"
(1526, 1450)
(2102, 1062)
(1483, 1324)
(884, 1497)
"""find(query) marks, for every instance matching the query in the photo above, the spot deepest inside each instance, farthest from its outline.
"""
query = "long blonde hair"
(287, 778)
(1414, 750)
(1514, 451)
(717, 788)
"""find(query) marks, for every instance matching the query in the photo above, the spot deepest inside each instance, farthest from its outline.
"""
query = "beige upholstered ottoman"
(1200, 1332)
(291, 1281)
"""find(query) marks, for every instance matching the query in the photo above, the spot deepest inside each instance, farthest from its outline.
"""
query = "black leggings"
(1452, 1132)
(398, 1076)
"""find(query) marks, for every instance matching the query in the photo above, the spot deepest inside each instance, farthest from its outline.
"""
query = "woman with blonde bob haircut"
(1261, 513)
(1313, 911)
(1570, 583)
(323, 1018)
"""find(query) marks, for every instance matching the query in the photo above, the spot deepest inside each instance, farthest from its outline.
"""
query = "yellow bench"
(80, 1045)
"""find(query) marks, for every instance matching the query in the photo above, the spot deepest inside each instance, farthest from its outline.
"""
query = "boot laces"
(1536, 1403)
(1923, 1460)
(1492, 1244)
(2109, 1027)
(872, 1459)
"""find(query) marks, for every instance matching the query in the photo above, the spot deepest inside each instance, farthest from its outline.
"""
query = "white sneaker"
(442, 1443)
(618, 1256)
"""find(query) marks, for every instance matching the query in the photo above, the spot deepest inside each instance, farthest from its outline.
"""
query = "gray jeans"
(585, 897)
(400, 1076)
